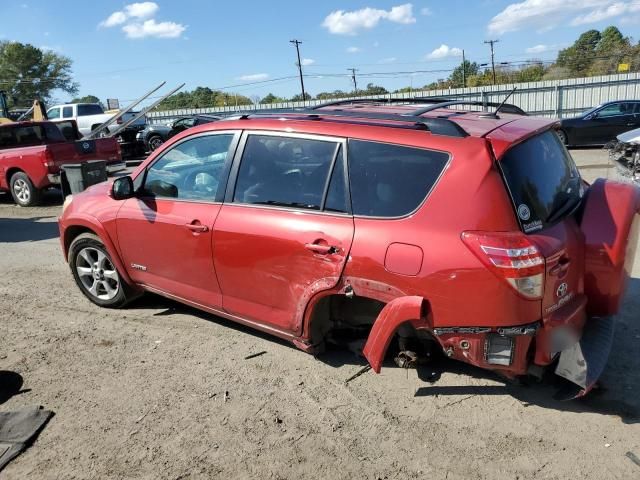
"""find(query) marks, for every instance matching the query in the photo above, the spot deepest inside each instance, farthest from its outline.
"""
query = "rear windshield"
(543, 181)
(89, 110)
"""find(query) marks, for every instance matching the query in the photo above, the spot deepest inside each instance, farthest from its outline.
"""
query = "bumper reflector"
(498, 350)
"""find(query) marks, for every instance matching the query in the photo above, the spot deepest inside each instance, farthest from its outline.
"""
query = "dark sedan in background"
(155, 135)
(601, 124)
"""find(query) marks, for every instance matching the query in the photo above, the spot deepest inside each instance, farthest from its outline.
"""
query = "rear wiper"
(289, 204)
(565, 207)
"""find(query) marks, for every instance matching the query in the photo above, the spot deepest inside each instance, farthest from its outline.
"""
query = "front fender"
(411, 309)
(90, 223)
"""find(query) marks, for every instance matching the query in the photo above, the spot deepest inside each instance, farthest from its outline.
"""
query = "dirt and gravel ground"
(161, 391)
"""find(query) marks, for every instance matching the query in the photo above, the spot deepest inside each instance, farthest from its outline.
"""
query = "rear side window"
(287, 172)
(89, 109)
(21, 136)
(543, 181)
(67, 112)
(391, 180)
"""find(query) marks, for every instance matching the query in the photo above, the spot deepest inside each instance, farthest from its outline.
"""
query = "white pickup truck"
(88, 116)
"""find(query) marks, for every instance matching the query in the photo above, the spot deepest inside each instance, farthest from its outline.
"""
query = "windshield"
(543, 181)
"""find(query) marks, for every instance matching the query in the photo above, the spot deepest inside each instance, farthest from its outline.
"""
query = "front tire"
(95, 273)
(23, 190)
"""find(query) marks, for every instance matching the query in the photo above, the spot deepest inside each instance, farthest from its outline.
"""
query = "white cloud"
(444, 51)
(141, 10)
(341, 22)
(425, 11)
(388, 60)
(51, 48)
(254, 77)
(116, 18)
(151, 28)
(307, 61)
(539, 14)
(613, 10)
(354, 50)
(538, 49)
(136, 22)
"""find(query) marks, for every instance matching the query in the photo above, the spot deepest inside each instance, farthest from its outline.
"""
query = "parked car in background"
(419, 227)
(31, 154)
(90, 116)
(600, 124)
(152, 136)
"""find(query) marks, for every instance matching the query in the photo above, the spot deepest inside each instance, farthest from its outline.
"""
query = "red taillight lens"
(47, 158)
(511, 256)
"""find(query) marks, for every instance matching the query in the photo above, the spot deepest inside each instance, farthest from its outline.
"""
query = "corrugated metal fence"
(553, 98)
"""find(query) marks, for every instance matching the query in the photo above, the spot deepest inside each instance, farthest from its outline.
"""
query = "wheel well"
(71, 233)
(11, 172)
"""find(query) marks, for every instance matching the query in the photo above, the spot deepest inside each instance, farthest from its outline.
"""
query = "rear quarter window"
(543, 181)
(391, 180)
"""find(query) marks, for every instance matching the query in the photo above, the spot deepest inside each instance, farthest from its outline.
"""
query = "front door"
(165, 233)
(285, 230)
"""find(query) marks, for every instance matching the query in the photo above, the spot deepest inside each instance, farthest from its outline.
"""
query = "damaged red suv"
(419, 224)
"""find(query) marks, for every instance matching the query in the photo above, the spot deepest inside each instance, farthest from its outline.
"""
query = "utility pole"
(353, 77)
(493, 63)
(464, 71)
(297, 44)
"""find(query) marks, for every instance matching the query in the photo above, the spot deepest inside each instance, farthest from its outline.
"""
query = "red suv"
(465, 231)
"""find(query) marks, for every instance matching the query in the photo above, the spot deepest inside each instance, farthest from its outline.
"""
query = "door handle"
(322, 249)
(197, 227)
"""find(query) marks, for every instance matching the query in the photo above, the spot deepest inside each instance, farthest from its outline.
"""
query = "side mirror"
(122, 188)
(593, 116)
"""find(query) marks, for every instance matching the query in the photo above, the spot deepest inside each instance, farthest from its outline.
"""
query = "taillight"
(511, 256)
(120, 121)
(47, 158)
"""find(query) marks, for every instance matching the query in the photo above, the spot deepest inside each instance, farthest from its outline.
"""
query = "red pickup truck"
(31, 154)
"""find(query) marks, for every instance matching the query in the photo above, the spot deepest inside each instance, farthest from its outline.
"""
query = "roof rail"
(437, 126)
(437, 102)
(506, 108)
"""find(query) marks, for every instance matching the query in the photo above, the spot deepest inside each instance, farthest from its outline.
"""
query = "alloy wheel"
(97, 274)
(22, 190)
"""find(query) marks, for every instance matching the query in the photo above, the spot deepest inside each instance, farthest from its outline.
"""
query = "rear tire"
(95, 273)
(154, 142)
(23, 190)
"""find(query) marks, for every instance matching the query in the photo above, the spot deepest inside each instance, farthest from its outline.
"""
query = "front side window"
(53, 113)
(192, 170)
(391, 180)
(285, 171)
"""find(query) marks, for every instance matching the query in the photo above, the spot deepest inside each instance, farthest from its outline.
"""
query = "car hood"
(159, 128)
(632, 136)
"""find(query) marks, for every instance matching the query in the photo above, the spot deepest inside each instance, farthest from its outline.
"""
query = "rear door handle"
(197, 227)
(322, 249)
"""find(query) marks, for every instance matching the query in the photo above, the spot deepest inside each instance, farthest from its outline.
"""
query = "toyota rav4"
(424, 225)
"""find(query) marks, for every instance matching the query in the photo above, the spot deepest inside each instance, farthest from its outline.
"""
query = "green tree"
(578, 57)
(87, 99)
(271, 98)
(456, 77)
(203, 97)
(27, 72)
(298, 97)
(373, 90)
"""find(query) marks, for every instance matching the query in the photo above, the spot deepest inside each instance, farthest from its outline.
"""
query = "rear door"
(546, 190)
(285, 230)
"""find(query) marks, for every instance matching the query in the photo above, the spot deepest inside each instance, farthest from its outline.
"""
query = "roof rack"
(438, 102)
(437, 126)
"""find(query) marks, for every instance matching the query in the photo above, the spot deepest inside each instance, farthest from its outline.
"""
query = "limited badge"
(524, 213)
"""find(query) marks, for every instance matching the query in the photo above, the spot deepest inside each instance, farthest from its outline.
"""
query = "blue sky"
(121, 49)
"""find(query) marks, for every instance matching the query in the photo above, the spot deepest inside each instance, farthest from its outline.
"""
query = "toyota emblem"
(562, 290)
